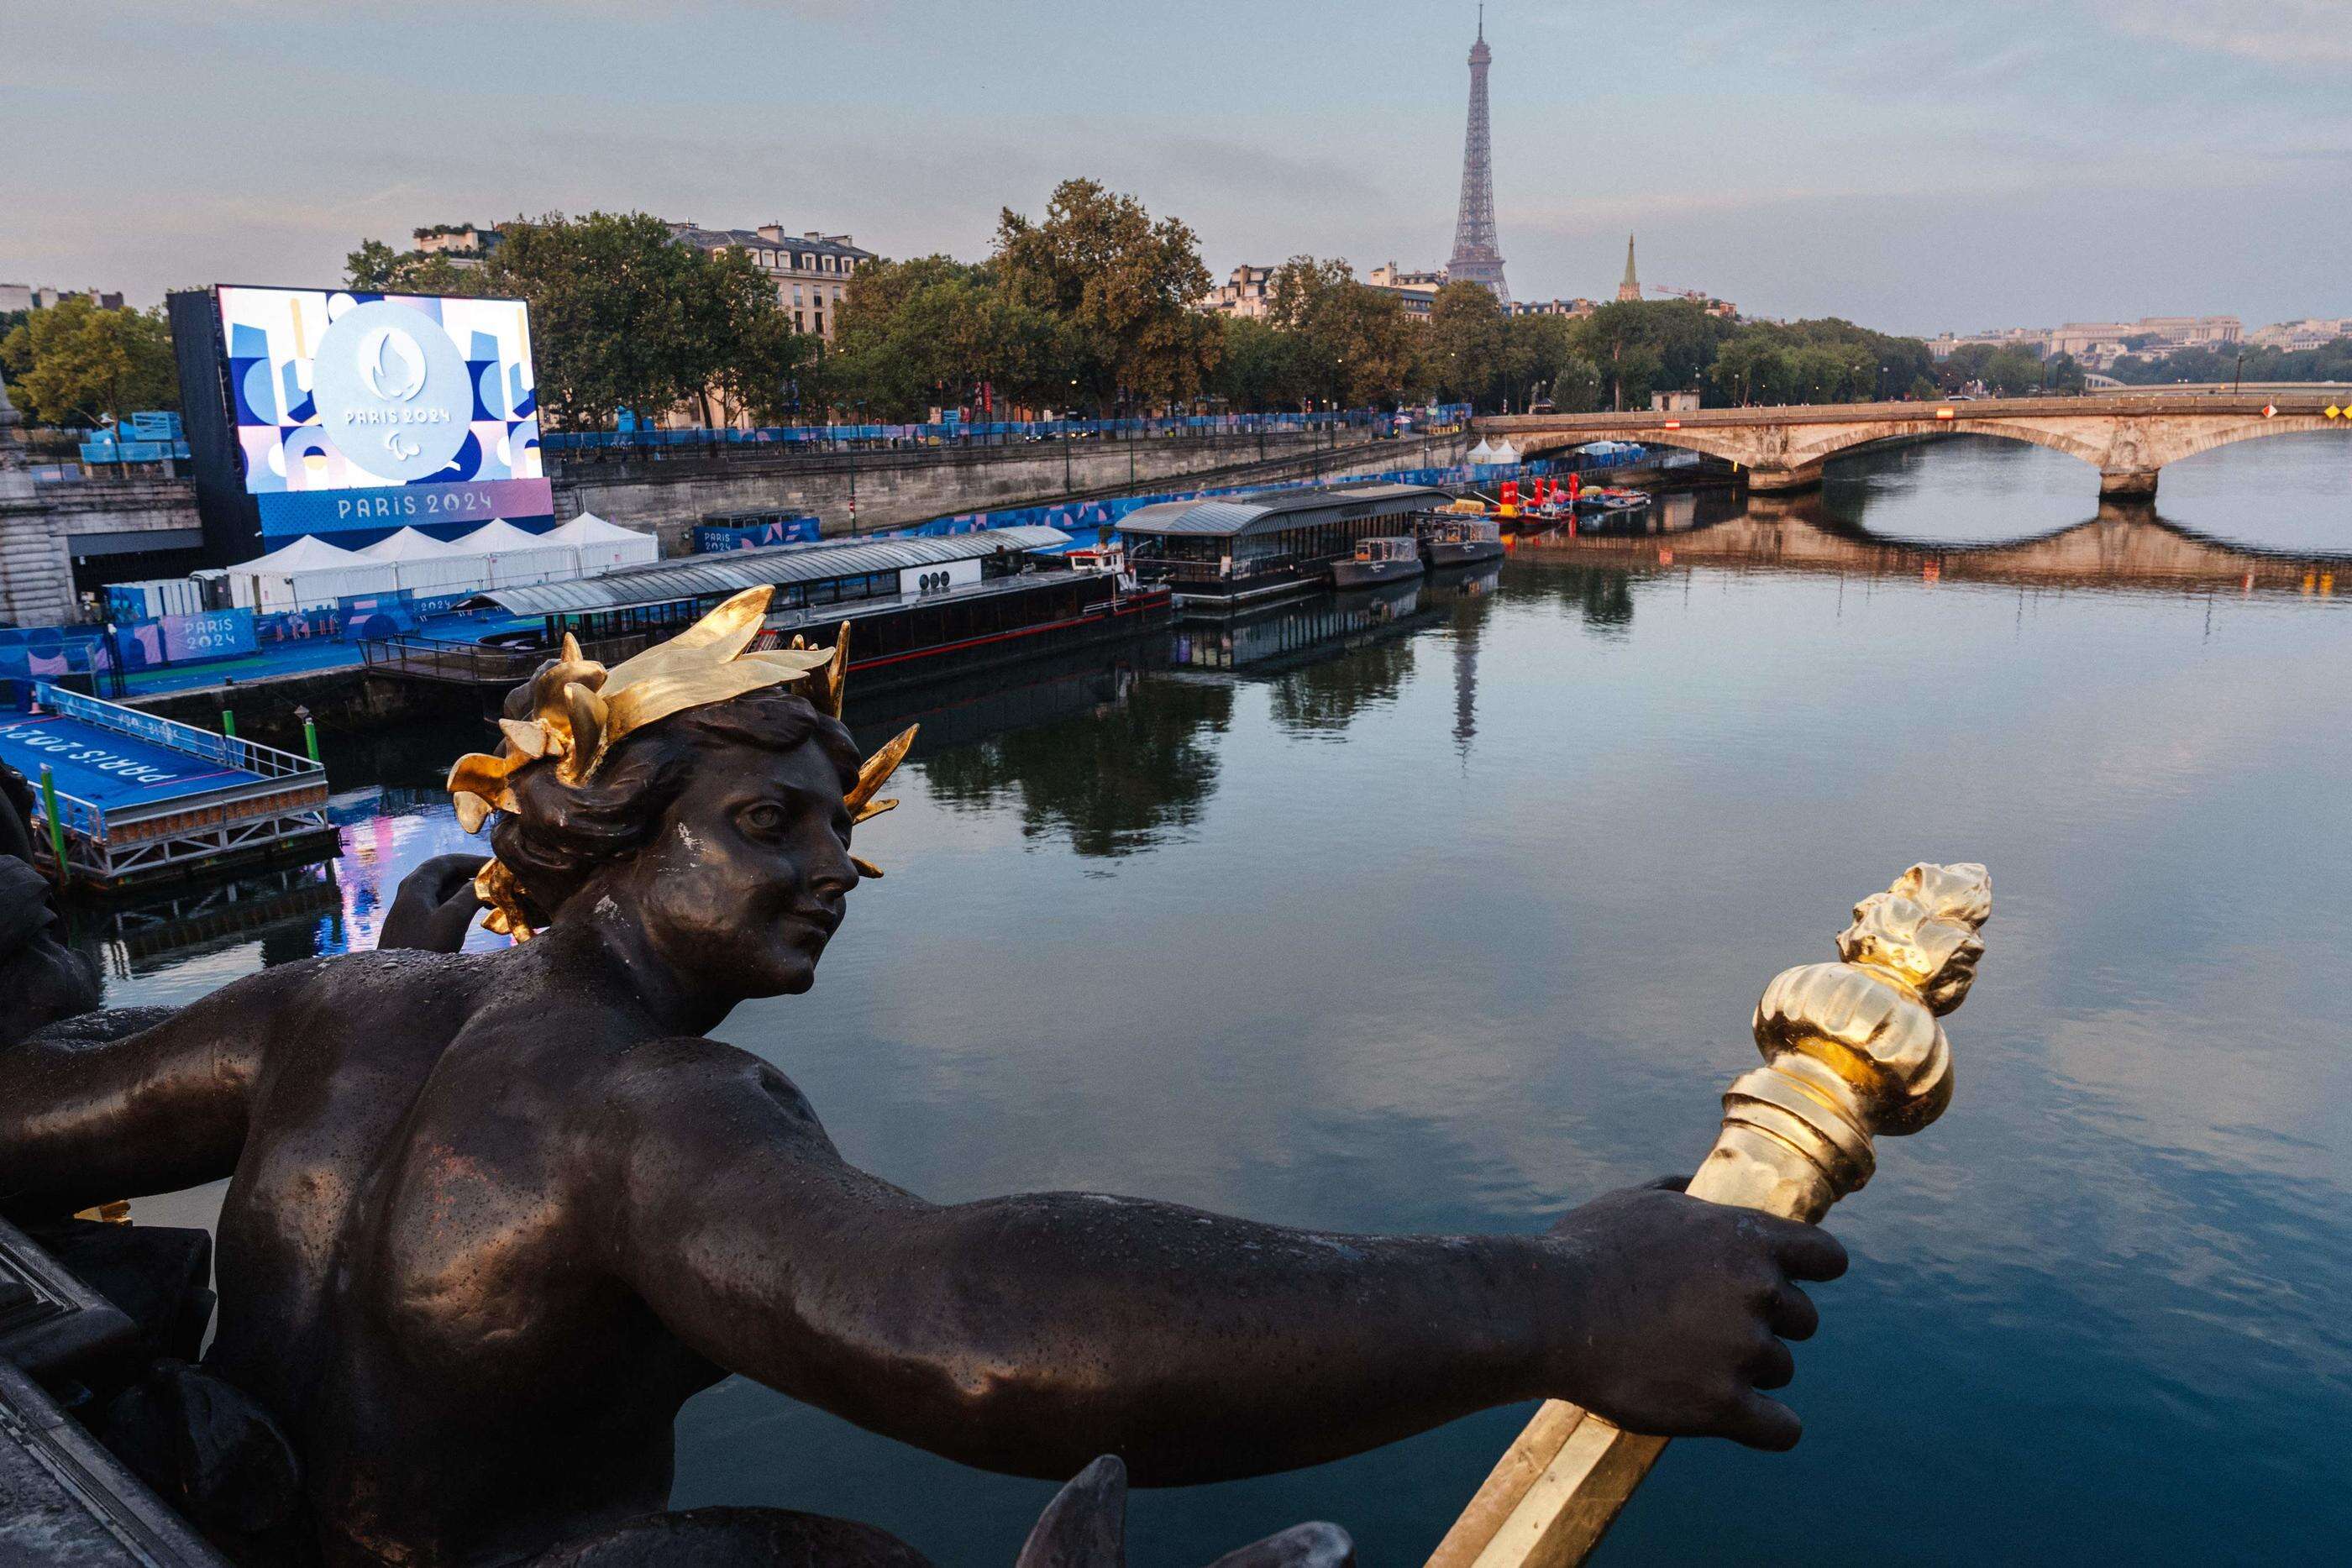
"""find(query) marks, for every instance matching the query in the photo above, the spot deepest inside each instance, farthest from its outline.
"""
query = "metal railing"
(963, 433)
(482, 663)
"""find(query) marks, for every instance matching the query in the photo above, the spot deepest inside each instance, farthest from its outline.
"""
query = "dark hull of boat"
(1347, 574)
(1463, 552)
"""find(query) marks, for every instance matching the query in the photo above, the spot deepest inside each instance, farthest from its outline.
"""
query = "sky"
(1915, 167)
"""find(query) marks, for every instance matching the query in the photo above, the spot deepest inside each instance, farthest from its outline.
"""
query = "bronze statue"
(42, 979)
(495, 1216)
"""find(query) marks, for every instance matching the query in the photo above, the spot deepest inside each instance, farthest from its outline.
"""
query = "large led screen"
(369, 412)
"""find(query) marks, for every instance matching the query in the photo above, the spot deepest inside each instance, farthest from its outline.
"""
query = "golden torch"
(1852, 1050)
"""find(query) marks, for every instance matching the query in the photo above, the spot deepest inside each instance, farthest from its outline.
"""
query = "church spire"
(1631, 288)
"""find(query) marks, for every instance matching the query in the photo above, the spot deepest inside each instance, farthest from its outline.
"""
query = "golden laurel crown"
(574, 710)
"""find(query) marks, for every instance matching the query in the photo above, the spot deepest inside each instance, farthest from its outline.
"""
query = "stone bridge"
(2128, 437)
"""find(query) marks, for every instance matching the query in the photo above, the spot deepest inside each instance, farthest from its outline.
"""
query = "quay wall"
(668, 495)
(345, 699)
(43, 526)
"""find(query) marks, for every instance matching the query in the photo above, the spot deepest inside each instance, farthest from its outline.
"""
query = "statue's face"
(746, 880)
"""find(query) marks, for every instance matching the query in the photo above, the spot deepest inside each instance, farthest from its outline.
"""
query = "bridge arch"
(2126, 439)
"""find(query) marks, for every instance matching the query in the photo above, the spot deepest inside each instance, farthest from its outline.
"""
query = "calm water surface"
(1456, 918)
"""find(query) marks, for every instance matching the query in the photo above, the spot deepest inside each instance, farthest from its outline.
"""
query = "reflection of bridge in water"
(2122, 547)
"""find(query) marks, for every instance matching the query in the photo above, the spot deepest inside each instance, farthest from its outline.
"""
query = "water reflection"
(1157, 929)
(1126, 775)
(2123, 545)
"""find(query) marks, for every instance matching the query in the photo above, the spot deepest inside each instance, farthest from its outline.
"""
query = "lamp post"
(859, 406)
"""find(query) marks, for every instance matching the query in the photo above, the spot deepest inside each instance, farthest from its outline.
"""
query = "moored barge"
(1384, 558)
(1458, 539)
(918, 608)
(1225, 550)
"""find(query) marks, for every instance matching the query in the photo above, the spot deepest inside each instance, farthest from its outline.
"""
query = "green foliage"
(1541, 360)
(1350, 344)
(2007, 371)
(1120, 289)
(1826, 361)
(376, 268)
(1257, 368)
(932, 331)
(1641, 347)
(2329, 362)
(74, 362)
(623, 317)
(1462, 346)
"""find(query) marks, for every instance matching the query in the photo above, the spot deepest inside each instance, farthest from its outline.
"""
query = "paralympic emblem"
(392, 393)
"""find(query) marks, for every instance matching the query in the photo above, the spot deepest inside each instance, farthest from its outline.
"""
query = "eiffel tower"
(1477, 258)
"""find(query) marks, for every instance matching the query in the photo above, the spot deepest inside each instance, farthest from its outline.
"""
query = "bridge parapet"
(2129, 438)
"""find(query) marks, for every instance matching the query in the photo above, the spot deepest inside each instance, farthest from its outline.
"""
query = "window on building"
(798, 324)
(819, 319)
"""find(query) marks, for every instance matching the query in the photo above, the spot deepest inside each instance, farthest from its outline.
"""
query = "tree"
(1643, 346)
(74, 362)
(1540, 358)
(1462, 348)
(1351, 344)
(622, 315)
(742, 340)
(1121, 287)
(1259, 365)
(935, 331)
(376, 268)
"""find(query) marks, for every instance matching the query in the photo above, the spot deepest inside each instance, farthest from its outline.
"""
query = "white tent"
(429, 566)
(306, 574)
(1482, 452)
(513, 559)
(1504, 452)
(601, 545)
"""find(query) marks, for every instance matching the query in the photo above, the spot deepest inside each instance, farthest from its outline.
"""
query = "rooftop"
(1270, 511)
(732, 571)
(752, 239)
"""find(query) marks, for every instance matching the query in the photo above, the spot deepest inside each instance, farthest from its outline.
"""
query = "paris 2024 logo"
(392, 391)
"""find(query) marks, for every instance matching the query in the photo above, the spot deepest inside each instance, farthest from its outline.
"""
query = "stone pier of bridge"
(2127, 438)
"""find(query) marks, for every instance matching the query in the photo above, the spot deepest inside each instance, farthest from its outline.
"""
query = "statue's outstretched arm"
(84, 1122)
(1030, 1334)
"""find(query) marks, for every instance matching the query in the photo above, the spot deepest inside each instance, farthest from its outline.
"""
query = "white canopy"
(430, 566)
(601, 545)
(309, 553)
(410, 545)
(308, 573)
(1505, 453)
(1482, 452)
(515, 559)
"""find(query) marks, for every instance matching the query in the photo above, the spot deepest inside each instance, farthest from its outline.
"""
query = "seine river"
(1449, 913)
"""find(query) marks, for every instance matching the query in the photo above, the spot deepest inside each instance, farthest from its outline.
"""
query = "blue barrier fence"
(954, 432)
(1076, 517)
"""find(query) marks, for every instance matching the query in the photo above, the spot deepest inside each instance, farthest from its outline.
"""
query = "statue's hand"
(434, 906)
(1679, 1310)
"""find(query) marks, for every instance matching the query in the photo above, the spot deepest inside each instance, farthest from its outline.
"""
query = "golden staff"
(1852, 1052)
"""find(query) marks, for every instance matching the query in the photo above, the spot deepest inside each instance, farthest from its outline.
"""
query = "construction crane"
(1699, 294)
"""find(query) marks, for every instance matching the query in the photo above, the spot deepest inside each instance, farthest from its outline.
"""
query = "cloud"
(2300, 34)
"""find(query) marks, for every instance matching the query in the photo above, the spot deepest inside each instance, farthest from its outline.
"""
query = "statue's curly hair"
(565, 833)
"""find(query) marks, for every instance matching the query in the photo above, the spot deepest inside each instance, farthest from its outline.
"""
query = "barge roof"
(1271, 511)
(732, 571)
